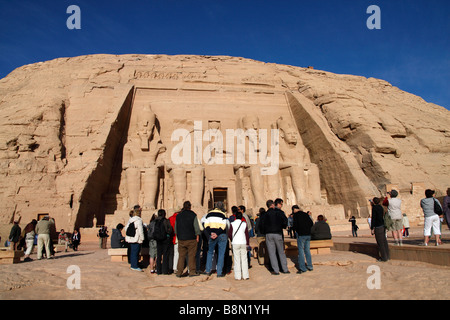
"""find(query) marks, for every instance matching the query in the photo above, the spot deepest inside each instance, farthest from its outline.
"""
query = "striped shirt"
(215, 222)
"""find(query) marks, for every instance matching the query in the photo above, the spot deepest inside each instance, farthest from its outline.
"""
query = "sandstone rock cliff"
(64, 124)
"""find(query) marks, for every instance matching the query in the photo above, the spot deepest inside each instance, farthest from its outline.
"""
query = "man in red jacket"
(173, 248)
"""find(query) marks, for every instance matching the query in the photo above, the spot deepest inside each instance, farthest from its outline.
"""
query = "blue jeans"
(221, 242)
(354, 231)
(135, 248)
(303, 243)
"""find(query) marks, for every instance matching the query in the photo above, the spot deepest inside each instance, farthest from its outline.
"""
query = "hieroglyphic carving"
(163, 75)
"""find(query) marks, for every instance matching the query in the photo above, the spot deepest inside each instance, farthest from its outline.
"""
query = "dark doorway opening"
(221, 194)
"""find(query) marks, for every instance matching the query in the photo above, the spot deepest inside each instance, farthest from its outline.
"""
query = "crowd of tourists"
(391, 218)
(218, 243)
(187, 246)
(38, 234)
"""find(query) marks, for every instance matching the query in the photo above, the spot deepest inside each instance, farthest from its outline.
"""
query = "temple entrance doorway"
(221, 194)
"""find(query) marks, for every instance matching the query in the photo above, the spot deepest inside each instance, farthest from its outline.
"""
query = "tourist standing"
(43, 231)
(14, 235)
(242, 210)
(274, 222)
(202, 250)
(290, 222)
(239, 236)
(354, 226)
(187, 230)
(259, 226)
(103, 236)
(378, 229)
(134, 231)
(215, 226)
(431, 216)
(406, 226)
(162, 235)
(30, 233)
(152, 245)
(302, 225)
(394, 206)
(173, 248)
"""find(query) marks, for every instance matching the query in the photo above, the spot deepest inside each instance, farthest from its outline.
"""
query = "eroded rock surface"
(65, 123)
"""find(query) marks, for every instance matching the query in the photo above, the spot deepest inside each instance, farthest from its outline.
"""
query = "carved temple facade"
(84, 139)
(146, 172)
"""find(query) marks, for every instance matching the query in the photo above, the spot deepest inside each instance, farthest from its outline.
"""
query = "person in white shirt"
(238, 234)
(394, 206)
(134, 237)
(431, 217)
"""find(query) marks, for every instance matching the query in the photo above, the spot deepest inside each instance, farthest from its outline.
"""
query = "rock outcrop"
(65, 124)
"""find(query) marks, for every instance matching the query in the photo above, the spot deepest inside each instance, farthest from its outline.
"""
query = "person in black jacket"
(302, 225)
(320, 230)
(117, 239)
(274, 222)
(187, 230)
(14, 235)
(378, 229)
(162, 233)
(259, 229)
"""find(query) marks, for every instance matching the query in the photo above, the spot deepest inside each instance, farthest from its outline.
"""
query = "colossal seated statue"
(295, 162)
(140, 161)
(250, 123)
(179, 169)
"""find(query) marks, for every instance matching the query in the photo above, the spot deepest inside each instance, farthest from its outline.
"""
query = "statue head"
(249, 122)
(147, 120)
(214, 124)
(288, 131)
(146, 125)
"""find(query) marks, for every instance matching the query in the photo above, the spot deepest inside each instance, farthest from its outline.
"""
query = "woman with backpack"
(134, 237)
(238, 234)
(432, 209)
(151, 245)
(161, 232)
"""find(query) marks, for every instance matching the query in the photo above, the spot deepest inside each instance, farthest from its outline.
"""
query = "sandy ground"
(336, 276)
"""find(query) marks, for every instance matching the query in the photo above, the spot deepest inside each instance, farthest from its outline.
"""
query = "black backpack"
(160, 233)
(151, 231)
(102, 233)
(437, 208)
(131, 230)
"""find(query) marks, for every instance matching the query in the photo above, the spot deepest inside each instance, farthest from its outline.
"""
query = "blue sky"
(411, 51)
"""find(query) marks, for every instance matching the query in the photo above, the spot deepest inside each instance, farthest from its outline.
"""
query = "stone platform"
(410, 251)
(8, 256)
